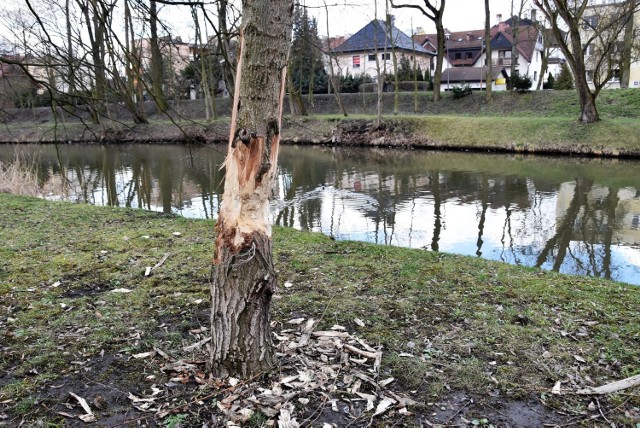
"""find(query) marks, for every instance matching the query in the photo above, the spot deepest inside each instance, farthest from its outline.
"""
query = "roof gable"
(373, 36)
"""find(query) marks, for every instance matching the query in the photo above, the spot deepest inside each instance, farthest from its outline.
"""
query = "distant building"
(357, 55)
(467, 49)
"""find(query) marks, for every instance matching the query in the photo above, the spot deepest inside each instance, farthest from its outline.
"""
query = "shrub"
(549, 83)
(461, 91)
(520, 83)
(19, 178)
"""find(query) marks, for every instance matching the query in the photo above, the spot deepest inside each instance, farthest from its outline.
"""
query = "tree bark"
(243, 276)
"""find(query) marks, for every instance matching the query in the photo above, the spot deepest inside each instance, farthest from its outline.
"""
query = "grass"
(492, 331)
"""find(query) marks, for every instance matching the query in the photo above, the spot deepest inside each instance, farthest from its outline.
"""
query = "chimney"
(468, 37)
(499, 18)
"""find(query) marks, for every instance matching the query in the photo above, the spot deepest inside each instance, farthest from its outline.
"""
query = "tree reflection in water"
(572, 215)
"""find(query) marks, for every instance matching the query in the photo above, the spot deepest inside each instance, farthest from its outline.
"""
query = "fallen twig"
(612, 387)
(149, 269)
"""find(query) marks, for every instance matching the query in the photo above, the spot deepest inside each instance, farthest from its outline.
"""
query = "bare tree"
(434, 10)
(332, 76)
(590, 37)
(157, 75)
(243, 276)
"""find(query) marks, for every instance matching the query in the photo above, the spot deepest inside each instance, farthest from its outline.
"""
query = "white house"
(357, 55)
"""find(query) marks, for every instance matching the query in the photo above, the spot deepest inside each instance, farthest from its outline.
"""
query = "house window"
(385, 56)
(590, 22)
(616, 75)
(535, 76)
(458, 55)
(356, 61)
(588, 50)
(469, 55)
(371, 57)
(589, 75)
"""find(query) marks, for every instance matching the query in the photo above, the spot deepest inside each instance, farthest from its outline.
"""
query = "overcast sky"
(348, 16)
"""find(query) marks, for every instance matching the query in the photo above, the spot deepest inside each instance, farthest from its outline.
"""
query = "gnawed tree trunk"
(243, 276)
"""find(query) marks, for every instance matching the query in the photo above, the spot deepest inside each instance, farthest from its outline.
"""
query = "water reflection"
(571, 215)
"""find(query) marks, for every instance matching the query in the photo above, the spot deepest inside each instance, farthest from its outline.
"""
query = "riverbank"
(538, 122)
(466, 339)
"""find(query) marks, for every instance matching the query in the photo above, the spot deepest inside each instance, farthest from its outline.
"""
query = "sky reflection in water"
(578, 216)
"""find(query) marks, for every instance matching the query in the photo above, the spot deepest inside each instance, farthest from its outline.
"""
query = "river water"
(573, 215)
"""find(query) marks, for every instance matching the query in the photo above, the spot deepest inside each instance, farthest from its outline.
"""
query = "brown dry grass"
(19, 178)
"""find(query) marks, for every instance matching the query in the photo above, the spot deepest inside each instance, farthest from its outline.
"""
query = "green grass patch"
(484, 328)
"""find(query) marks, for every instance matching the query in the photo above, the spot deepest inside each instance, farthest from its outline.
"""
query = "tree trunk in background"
(627, 47)
(437, 75)
(157, 75)
(95, 29)
(487, 43)
(243, 276)
(71, 76)
(224, 45)
(332, 76)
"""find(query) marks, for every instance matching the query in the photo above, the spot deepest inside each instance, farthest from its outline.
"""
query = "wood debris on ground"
(329, 374)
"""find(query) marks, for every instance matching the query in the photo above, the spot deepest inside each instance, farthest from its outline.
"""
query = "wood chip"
(196, 345)
(386, 381)
(384, 405)
(330, 334)
(372, 355)
(143, 355)
(89, 416)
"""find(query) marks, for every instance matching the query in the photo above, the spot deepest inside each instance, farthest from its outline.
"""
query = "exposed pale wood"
(612, 387)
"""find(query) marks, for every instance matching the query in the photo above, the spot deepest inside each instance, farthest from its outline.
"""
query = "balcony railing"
(502, 61)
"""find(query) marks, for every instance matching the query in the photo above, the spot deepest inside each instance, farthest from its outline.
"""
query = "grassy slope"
(484, 328)
(539, 121)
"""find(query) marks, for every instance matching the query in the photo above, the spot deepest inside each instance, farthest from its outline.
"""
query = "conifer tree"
(565, 79)
(307, 69)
